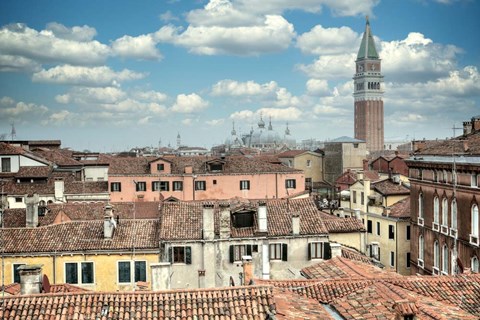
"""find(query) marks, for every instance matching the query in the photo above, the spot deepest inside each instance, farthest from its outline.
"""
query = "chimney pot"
(296, 224)
(208, 222)
(262, 217)
(224, 221)
(31, 278)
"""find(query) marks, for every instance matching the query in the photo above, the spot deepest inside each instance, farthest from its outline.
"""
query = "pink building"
(201, 178)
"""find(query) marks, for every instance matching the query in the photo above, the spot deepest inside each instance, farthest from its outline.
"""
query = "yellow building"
(100, 255)
(311, 163)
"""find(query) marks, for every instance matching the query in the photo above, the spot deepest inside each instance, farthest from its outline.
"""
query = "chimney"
(247, 270)
(475, 124)
(30, 278)
(160, 275)
(224, 221)
(208, 223)
(405, 309)
(336, 249)
(32, 210)
(467, 127)
(262, 217)
(109, 223)
(386, 211)
(341, 212)
(357, 214)
(465, 145)
(59, 189)
(359, 176)
(365, 165)
(295, 224)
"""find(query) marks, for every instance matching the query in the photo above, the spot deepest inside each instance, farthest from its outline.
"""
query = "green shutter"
(231, 254)
(327, 251)
(284, 252)
(188, 255)
(309, 250)
(170, 249)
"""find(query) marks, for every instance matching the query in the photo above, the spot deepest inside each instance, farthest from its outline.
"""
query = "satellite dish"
(46, 284)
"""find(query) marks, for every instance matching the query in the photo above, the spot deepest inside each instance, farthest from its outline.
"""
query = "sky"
(111, 75)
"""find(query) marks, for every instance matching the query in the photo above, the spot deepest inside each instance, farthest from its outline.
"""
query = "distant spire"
(13, 132)
(261, 124)
(270, 124)
(234, 133)
(367, 47)
(287, 131)
(178, 140)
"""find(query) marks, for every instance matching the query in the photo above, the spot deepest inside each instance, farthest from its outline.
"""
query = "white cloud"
(18, 64)
(189, 103)
(249, 88)
(273, 35)
(141, 47)
(187, 122)
(45, 47)
(243, 115)
(330, 67)
(328, 110)
(167, 16)
(290, 113)
(150, 96)
(82, 95)
(60, 117)
(76, 33)
(215, 122)
(10, 109)
(85, 76)
(144, 120)
(329, 41)
(317, 87)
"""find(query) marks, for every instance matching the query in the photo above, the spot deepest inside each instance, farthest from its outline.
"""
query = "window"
(445, 212)
(420, 247)
(214, 181)
(18, 199)
(378, 228)
(290, 184)
(116, 187)
(436, 255)
(177, 185)
(16, 273)
(125, 269)
(391, 232)
(408, 259)
(72, 274)
(244, 185)
(392, 259)
(160, 166)
(290, 163)
(141, 186)
(408, 233)
(354, 196)
(474, 182)
(475, 264)
(6, 166)
(420, 205)
(238, 251)
(160, 186)
(475, 220)
(454, 214)
(362, 200)
(445, 259)
(319, 250)
(200, 185)
(180, 254)
(369, 226)
(309, 163)
(308, 182)
(278, 251)
(436, 210)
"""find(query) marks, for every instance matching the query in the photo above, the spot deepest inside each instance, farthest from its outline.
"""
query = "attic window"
(243, 219)
(216, 167)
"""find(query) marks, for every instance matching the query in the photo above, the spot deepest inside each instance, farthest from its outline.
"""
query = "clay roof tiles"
(8, 149)
(388, 187)
(401, 209)
(469, 144)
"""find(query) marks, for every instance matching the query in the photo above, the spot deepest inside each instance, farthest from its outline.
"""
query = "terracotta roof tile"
(8, 149)
(388, 187)
(469, 144)
(401, 209)
(335, 224)
(33, 172)
(222, 303)
(57, 157)
(14, 288)
(291, 153)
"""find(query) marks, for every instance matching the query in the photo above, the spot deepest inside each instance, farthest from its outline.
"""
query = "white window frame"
(132, 271)
(474, 228)
(436, 214)
(420, 210)
(453, 217)
(475, 264)
(436, 257)
(79, 272)
(421, 246)
(277, 249)
(474, 180)
(445, 259)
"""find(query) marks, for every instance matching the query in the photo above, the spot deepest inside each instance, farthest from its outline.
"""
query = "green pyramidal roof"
(367, 47)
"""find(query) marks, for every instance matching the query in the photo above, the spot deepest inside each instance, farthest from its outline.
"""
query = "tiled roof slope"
(81, 235)
(388, 187)
(33, 172)
(401, 209)
(293, 306)
(233, 164)
(469, 144)
(14, 288)
(335, 224)
(57, 157)
(224, 303)
(183, 220)
(291, 153)
(8, 149)
(15, 218)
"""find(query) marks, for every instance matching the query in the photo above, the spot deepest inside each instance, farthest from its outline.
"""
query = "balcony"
(444, 229)
(420, 263)
(435, 271)
(435, 226)
(420, 221)
(474, 239)
(453, 233)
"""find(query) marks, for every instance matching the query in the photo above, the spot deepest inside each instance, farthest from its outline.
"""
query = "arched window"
(445, 212)
(454, 214)
(475, 265)
(475, 220)
(420, 247)
(445, 259)
(420, 205)
(436, 254)
(436, 210)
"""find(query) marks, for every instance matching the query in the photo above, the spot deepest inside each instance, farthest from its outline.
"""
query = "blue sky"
(112, 75)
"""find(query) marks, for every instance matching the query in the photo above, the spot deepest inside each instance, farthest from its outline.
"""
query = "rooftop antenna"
(13, 133)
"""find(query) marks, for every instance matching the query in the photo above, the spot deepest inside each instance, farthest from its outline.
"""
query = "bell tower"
(368, 94)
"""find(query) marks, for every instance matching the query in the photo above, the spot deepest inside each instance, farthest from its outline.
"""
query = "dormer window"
(243, 219)
(215, 165)
(160, 166)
